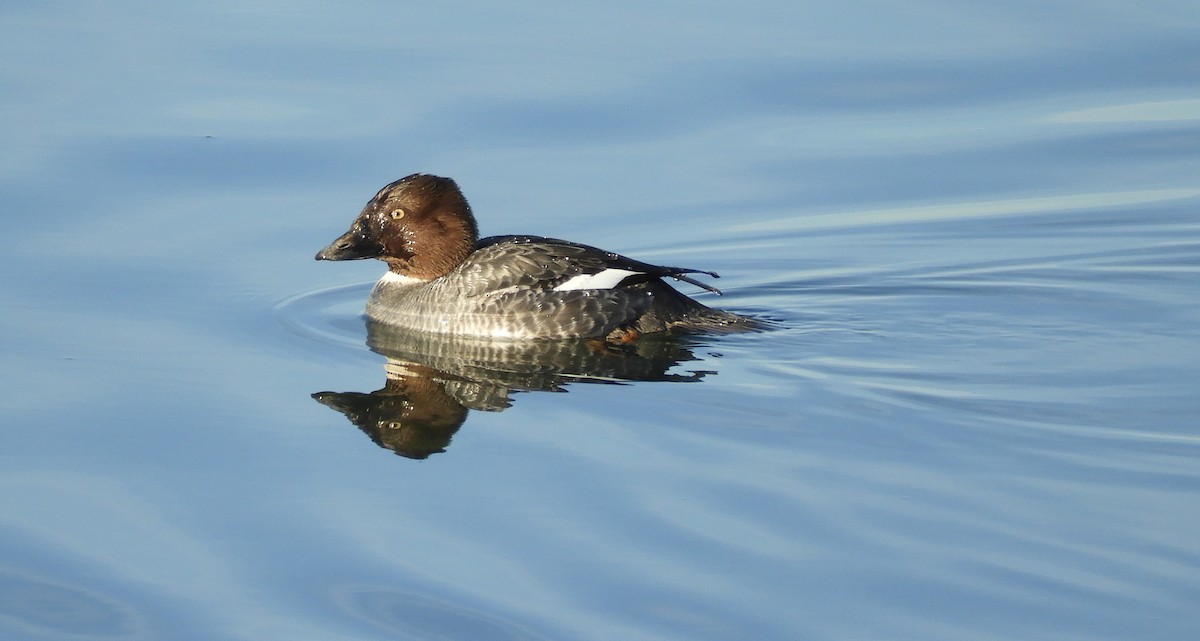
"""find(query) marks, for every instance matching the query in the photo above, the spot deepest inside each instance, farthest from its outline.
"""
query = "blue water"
(976, 227)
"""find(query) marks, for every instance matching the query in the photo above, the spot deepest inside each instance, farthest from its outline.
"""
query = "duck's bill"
(350, 246)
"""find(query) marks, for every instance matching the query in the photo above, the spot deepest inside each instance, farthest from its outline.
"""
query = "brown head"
(421, 225)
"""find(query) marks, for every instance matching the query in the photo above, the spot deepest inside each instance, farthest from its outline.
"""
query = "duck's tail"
(675, 311)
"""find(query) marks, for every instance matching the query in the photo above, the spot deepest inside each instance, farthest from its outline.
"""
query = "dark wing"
(502, 263)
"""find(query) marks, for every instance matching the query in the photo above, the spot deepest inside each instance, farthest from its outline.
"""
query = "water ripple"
(331, 316)
(39, 606)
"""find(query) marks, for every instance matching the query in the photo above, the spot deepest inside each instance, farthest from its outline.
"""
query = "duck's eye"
(396, 214)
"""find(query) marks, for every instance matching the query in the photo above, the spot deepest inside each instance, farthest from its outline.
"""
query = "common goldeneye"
(442, 278)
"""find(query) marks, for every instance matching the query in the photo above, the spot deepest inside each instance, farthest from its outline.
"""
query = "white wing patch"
(606, 279)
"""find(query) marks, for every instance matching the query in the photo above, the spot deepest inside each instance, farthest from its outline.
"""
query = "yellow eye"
(397, 214)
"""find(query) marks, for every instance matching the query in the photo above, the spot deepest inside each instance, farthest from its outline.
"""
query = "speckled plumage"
(518, 287)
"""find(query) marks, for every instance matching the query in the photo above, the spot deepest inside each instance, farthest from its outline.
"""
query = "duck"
(443, 279)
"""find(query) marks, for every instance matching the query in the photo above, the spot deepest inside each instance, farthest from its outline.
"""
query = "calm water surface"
(977, 228)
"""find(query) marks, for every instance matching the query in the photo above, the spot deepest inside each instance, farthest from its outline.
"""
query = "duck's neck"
(396, 279)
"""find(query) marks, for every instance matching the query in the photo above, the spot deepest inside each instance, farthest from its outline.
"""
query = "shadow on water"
(432, 382)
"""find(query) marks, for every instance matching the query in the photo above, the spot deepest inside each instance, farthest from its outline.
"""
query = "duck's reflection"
(433, 381)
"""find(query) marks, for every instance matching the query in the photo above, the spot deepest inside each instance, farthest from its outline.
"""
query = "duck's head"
(421, 225)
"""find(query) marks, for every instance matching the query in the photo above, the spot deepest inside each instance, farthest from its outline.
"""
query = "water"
(977, 228)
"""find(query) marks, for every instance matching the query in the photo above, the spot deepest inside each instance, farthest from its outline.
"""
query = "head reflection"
(433, 381)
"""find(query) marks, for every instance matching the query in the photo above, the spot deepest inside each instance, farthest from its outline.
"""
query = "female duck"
(441, 278)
